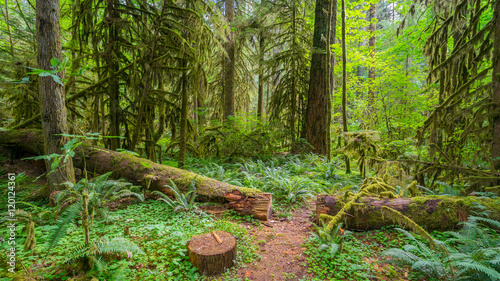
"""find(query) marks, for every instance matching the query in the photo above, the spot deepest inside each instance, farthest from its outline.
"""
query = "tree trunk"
(150, 175)
(495, 144)
(315, 129)
(260, 99)
(7, 21)
(293, 96)
(184, 113)
(113, 84)
(431, 212)
(332, 23)
(344, 86)
(52, 98)
(371, 44)
(229, 64)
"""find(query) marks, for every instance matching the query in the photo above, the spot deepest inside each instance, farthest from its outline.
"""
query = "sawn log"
(150, 175)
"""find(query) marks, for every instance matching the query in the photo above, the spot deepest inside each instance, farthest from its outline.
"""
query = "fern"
(62, 225)
(475, 254)
(185, 202)
(95, 250)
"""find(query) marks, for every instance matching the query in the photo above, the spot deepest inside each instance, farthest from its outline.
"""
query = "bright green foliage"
(330, 240)
(96, 250)
(183, 201)
(100, 190)
(471, 254)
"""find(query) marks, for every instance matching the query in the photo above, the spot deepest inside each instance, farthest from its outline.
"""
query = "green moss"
(249, 191)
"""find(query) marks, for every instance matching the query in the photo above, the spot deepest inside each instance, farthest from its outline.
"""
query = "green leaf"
(54, 62)
(57, 79)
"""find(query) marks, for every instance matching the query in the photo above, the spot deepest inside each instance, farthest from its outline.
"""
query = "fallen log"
(431, 212)
(150, 175)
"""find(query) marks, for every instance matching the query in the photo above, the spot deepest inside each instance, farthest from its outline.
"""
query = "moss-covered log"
(151, 175)
(431, 212)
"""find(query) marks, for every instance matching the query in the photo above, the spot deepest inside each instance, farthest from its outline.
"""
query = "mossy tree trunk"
(431, 212)
(229, 62)
(184, 116)
(315, 129)
(260, 98)
(371, 44)
(113, 67)
(495, 147)
(344, 86)
(52, 97)
(150, 175)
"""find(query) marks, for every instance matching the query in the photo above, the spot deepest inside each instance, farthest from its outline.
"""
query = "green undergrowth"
(161, 233)
(356, 259)
(293, 180)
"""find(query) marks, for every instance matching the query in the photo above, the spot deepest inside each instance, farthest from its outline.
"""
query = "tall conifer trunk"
(495, 147)
(260, 98)
(229, 64)
(315, 129)
(344, 85)
(52, 98)
(371, 44)
(113, 84)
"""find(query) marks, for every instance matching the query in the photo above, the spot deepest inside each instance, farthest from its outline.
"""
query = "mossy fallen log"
(431, 212)
(150, 175)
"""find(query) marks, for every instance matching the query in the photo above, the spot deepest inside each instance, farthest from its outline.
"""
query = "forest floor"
(279, 249)
(281, 243)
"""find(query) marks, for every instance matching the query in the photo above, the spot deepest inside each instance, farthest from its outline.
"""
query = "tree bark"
(113, 67)
(371, 44)
(183, 125)
(431, 212)
(344, 86)
(229, 64)
(315, 129)
(260, 98)
(495, 144)
(150, 175)
(52, 98)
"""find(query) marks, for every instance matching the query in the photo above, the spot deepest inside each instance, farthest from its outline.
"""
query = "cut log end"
(209, 256)
(259, 207)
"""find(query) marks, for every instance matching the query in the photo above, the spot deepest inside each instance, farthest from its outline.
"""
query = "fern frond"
(118, 245)
(405, 257)
(476, 267)
(62, 225)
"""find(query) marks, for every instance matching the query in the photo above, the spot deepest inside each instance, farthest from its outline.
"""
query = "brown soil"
(281, 248)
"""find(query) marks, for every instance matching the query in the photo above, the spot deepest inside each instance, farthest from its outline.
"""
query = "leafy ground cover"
(287, 247)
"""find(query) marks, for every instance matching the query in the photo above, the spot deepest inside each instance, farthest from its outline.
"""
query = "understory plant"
(330, 240)
(183, 201)
(471, 254)
(100, 190)
(84, 199)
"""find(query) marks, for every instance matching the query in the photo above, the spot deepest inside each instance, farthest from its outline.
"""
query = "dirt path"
(281, 248)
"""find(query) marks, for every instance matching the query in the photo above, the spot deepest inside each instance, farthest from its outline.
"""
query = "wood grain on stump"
(210, 256)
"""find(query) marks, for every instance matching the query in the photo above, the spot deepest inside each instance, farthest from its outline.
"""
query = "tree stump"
(212, 254)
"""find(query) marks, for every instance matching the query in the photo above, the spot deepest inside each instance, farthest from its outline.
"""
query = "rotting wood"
(431, 212)
(150, 175)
